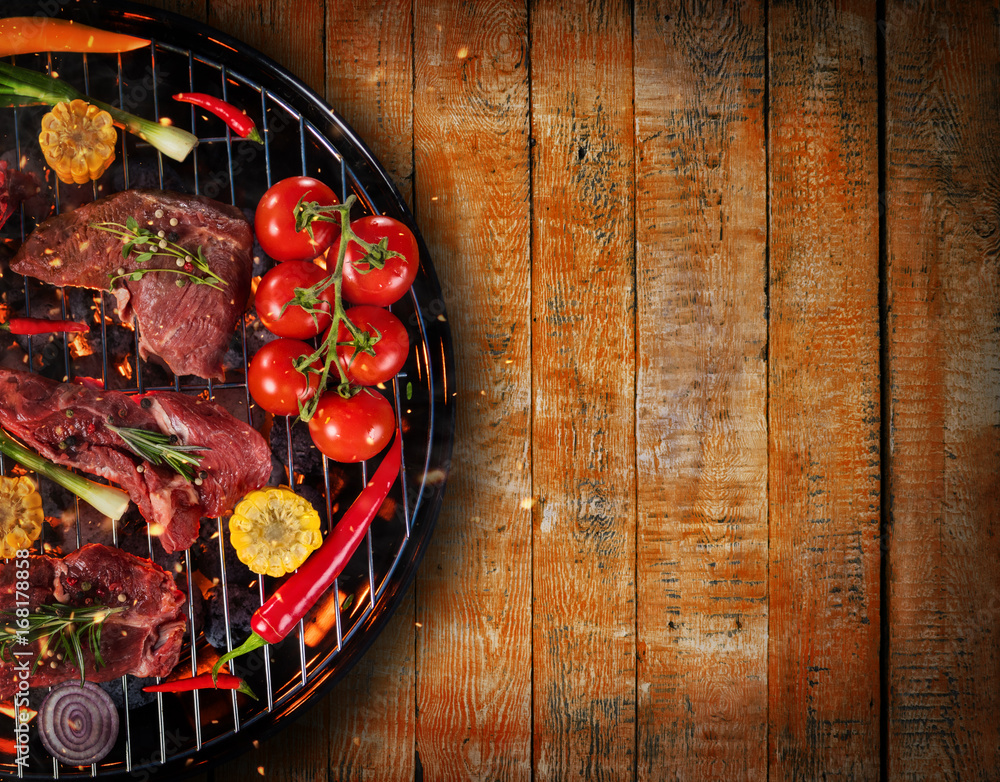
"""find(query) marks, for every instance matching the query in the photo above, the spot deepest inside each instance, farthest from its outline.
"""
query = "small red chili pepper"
(292, 600)
(204, 681)
(30, 326)
(232, 116)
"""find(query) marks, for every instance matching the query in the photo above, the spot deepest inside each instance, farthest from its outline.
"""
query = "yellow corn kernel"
(78, 141)
(21, 514)
(274, 530)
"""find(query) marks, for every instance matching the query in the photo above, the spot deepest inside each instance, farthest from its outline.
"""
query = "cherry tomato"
(277, 287)
(274, 383)
(364, 369)
(355, 429)
(365, 284)
(274, 221)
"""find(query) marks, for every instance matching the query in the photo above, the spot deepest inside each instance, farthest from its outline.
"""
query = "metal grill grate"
(301, 137)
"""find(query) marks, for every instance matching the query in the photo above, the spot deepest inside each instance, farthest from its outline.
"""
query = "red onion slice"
(78, 723)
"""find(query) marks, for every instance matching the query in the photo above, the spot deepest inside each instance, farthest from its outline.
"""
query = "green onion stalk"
(23, 87)
(108, 500)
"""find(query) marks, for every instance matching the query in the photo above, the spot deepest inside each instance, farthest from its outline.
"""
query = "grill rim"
(179, 32)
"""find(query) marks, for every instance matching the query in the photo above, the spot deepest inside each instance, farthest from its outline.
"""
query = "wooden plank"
(583, 376)
(824, 419)
(369, 56)
(370, 713)
(192, 9)
(701, 217)
(472, 180)
(369, 79)
(289, 33)
(942, 167)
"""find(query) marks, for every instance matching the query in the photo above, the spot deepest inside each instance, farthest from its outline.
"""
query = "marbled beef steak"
(188, 328)
(143, 639)
(236, 459)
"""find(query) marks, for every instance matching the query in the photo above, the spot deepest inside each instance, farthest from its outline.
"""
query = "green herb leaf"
(66, 627)
(157, 448)
(150, 245)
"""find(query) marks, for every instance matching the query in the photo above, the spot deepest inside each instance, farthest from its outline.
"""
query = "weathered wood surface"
(701, 436)
(583, 392)
(473, 591)
(943, 288)
(693, 388)
(823, 395)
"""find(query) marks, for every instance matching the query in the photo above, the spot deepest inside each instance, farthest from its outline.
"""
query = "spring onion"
(23, 87)
(108, 500)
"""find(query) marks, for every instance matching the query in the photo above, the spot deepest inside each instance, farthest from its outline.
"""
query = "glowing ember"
(96, 309)
(79, 346)
(125, 369)
(27, 715)
(325, 618)
(203, 583)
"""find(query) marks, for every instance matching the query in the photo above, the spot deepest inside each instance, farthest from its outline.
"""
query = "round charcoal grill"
(170, 735)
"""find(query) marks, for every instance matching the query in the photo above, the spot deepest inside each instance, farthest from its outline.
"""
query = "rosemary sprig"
(159, 448)
(67, 629)
(148, 245)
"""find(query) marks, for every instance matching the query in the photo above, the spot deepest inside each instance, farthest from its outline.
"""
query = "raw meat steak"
(236, 458)
(144, 639)
(189, 327)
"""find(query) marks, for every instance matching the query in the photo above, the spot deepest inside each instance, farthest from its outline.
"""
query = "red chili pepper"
(204, 681)
(232, 116)
(293, 599)
(29, 326)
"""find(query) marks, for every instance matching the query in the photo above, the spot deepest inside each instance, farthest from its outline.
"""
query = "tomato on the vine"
(275, 220)
(274, 382)
(384, 280)
(277, 288)
(353, 429)
(381, 354)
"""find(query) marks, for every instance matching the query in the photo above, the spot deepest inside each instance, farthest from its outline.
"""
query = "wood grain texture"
(471, 195)
(943, 283)
(701, 430)
(583, 343)
(291, 34)
(372, 711)
(658, 556)
(824, 419)
(192, 9)
(369, 79)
